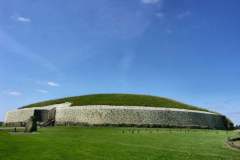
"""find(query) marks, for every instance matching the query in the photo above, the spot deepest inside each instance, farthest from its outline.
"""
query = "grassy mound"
(119, 100)
(76, 143)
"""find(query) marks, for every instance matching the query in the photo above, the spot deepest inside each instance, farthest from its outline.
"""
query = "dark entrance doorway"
(45, 117)
(41, 115)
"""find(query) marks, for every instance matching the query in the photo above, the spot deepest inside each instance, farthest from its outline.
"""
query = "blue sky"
(187, 50)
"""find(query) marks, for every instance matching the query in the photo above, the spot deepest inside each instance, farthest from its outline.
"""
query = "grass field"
(73, 143)
(119, 100)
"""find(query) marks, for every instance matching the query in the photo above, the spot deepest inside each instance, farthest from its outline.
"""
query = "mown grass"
(75, 143)
(119, 100)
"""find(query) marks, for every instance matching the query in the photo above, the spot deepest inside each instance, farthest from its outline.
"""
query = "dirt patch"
(234, 142)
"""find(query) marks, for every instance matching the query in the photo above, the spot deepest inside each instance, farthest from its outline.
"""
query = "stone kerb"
(139, 116)
(123, 115)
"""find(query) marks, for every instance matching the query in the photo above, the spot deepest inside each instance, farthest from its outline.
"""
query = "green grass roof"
(118, 100)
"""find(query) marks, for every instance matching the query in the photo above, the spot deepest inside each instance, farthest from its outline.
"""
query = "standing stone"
(31, 125)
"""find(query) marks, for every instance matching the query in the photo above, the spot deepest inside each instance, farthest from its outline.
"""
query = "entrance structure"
(45, 117)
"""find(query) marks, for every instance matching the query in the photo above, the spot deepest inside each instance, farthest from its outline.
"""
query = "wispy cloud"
(169, 31)
(14, 93)
(42, 91)
(9, 43)
(122, 22)
(160, 15)
(183, 14)
(150, 1)
(53, 84)
(127, 60)
(23, 19)
(236, 113)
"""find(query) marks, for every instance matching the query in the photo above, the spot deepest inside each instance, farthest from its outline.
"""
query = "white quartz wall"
(21, 115)
(120, 115)
(117, 115)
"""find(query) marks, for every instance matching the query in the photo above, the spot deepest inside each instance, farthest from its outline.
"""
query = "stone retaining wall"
(20, 116)
(138, 116)
(125, 116)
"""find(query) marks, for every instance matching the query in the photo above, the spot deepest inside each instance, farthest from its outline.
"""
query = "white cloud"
(53, 84)
(169, 31)
(160, 15)
(14, 93)
(184, 14)
(127, 60)
(23, 19)
(150, 1)
(42, 91)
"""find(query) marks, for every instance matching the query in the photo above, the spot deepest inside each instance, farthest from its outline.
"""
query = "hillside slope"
(119, 100)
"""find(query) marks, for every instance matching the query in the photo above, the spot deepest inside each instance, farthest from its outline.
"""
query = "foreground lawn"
(73, 143)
